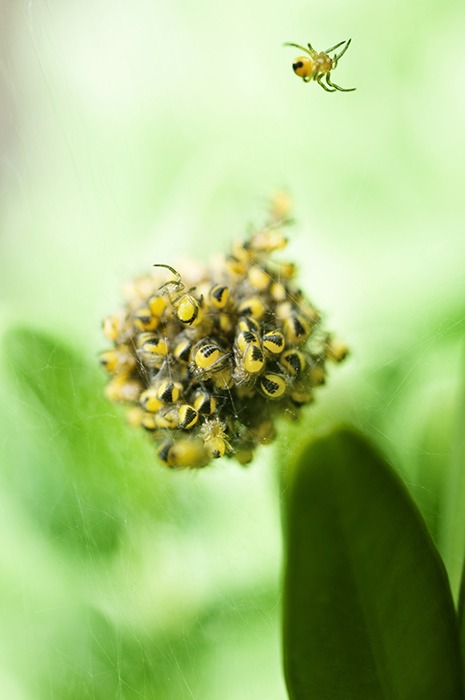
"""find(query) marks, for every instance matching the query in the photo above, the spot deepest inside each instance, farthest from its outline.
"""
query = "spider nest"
(206, 360)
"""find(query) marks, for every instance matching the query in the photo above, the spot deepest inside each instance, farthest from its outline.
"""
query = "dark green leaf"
(462, 615)
(453, 527)
(368, 611)
(455, 515)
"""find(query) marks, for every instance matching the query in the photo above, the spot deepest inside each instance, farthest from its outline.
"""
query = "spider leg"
(311, 50)
(335, 47)
(318, 79)
(298, 46)
(336, 58)
(178, 277)
(337, 87)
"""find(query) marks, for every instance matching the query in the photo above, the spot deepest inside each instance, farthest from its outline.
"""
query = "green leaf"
(368, 611)
(461, 613)
(81, 470)
(453, 527)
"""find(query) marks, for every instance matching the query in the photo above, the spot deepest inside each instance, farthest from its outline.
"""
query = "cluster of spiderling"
(208, 360)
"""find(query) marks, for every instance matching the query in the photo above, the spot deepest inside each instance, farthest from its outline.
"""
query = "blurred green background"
(134, 133)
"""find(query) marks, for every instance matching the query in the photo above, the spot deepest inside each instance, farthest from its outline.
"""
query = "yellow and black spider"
(318, 65)
(210, 361)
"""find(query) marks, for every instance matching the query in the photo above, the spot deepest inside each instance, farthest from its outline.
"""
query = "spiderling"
(207, 359)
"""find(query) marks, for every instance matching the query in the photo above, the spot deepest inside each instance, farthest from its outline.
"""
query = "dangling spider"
(317, 66)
